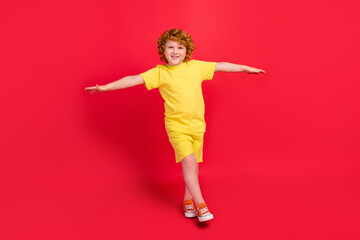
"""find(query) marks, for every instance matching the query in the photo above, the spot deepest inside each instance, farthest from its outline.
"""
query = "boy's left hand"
(252, 70)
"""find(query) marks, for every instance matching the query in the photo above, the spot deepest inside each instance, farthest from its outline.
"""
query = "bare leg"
(187, 192)
(190, 174)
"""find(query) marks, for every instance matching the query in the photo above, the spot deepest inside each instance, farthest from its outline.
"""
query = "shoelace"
(203, 210)
(189, 207)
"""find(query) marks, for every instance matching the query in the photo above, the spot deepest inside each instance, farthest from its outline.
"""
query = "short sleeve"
(207, 69)
(152, 78)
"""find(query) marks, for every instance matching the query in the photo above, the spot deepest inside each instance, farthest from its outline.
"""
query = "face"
(174, 52)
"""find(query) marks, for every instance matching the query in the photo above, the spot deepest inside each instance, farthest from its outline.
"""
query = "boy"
(179, 83)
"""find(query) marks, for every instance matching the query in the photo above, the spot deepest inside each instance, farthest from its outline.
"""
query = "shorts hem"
(185, 155)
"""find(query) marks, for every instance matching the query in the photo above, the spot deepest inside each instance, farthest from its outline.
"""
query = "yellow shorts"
(186, 143)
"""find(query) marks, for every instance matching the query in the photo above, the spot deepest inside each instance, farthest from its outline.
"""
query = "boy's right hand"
(96, 88)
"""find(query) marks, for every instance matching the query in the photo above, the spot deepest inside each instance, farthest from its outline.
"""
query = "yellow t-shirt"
(180, 87)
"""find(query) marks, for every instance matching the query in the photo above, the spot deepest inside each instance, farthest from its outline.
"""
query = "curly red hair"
(178, 35)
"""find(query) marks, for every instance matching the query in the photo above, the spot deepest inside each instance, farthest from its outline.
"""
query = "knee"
(189, 162)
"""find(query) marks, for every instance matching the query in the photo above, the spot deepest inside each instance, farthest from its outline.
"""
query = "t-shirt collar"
(181, 66)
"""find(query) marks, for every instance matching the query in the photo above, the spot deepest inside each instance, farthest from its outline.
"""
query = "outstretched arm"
(129, 81)
(232, 67)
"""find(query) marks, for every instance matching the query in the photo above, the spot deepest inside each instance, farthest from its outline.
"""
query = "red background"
(281, 155)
